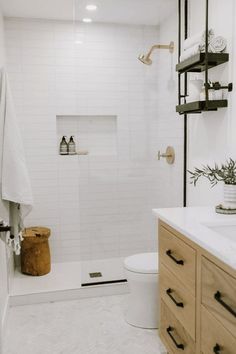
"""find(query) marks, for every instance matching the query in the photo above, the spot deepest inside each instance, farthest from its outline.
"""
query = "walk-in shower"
(84, 80)
(146, 58)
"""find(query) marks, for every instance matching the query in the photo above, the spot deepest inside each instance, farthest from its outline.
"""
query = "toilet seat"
(144, 263)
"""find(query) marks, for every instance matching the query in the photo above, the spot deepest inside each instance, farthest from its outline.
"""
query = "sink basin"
(228, 231)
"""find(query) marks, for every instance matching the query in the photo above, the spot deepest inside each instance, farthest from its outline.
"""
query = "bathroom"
(104, 73)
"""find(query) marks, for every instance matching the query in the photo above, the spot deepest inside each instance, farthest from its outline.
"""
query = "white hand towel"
(199, 38)
(15, 186)
(190, 52)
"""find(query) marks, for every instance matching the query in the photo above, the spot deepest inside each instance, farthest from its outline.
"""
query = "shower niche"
(93, 135)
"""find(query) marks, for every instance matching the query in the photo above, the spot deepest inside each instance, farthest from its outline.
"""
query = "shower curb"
(68, 294)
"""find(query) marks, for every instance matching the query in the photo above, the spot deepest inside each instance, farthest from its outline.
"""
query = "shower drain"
(95, 275)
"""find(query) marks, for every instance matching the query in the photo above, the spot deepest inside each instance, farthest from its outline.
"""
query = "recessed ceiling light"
(87, 20)
(91, 7)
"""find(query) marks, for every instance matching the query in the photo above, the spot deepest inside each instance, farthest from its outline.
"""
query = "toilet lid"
(146, 263)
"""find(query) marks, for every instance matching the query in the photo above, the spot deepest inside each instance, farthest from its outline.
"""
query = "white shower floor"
(111, 269)
(65, 279)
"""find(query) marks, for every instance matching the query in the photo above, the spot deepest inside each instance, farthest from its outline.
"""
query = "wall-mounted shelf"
(81, 152)
(197, 63)
(200, 106)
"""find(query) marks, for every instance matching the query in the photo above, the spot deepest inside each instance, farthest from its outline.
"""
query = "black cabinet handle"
(169, 253)
(169, 330)
(218, 298)
(169, 292)
(216, 349)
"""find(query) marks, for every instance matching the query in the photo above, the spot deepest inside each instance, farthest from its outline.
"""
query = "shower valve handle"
(169, 155)
(162, 155)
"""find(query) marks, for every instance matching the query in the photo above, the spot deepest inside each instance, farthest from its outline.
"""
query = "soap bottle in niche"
(63, 146)
(71, 146)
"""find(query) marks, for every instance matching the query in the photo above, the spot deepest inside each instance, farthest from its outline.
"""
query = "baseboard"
(4, 324)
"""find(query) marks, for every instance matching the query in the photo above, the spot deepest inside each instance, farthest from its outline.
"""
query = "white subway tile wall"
(98, 205)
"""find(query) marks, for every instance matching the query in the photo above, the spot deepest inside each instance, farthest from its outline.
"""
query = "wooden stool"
(35, 252)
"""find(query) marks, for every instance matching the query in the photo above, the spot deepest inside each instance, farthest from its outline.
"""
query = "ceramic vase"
(229, 196)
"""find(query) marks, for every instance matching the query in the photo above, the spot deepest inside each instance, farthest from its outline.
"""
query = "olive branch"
(225, 173)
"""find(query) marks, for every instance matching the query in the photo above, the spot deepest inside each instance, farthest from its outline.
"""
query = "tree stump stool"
(35, 252)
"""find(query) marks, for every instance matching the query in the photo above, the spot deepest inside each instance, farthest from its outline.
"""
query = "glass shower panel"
(126, 113)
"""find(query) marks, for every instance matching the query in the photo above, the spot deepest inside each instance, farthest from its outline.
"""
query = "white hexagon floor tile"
(85, 326)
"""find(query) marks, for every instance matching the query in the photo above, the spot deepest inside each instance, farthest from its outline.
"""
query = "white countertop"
(194, 222)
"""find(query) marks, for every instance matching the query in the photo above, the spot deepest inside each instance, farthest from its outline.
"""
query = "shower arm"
(161, 46)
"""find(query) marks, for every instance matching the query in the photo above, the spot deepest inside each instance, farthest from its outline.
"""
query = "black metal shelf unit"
(201, 106)
(198, 63)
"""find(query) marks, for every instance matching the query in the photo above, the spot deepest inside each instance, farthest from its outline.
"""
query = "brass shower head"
(145, 58)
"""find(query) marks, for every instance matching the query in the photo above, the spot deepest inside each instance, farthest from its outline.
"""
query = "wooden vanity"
(197, 297)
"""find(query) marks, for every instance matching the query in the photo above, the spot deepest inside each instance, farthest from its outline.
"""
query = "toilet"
(142, 307)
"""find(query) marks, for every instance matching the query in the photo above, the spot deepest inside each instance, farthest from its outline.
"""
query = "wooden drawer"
(219, 294)
(173, 333)
(213, 334)
(178, 257)
(179, 300)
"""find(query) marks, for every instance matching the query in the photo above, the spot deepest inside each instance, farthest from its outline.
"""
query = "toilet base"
(142, 309)
(141, 326)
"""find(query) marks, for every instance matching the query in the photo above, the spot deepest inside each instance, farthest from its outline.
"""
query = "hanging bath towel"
(15, 181)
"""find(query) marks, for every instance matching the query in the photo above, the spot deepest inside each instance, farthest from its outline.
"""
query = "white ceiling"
(148, 12)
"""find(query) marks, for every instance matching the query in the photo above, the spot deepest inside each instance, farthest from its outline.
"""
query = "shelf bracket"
(218, 86)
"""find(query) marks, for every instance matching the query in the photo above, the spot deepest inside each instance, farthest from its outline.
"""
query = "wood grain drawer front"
(179, 300)
(179, 257)
(173, 334)
(214, 337)
(219, 294)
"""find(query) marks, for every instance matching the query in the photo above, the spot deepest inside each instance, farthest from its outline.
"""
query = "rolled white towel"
(217, 44)
(190, 52)
(199, 38)
(13, 243)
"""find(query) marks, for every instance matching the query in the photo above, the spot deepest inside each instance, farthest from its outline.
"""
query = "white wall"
(4, 213)
(212, 134)
(4, 278)
(98, 206)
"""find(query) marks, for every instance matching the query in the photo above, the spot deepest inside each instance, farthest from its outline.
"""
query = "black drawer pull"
(169, 330)
(218, 298)
(169, 292)
(216, 349)
(169, 253)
